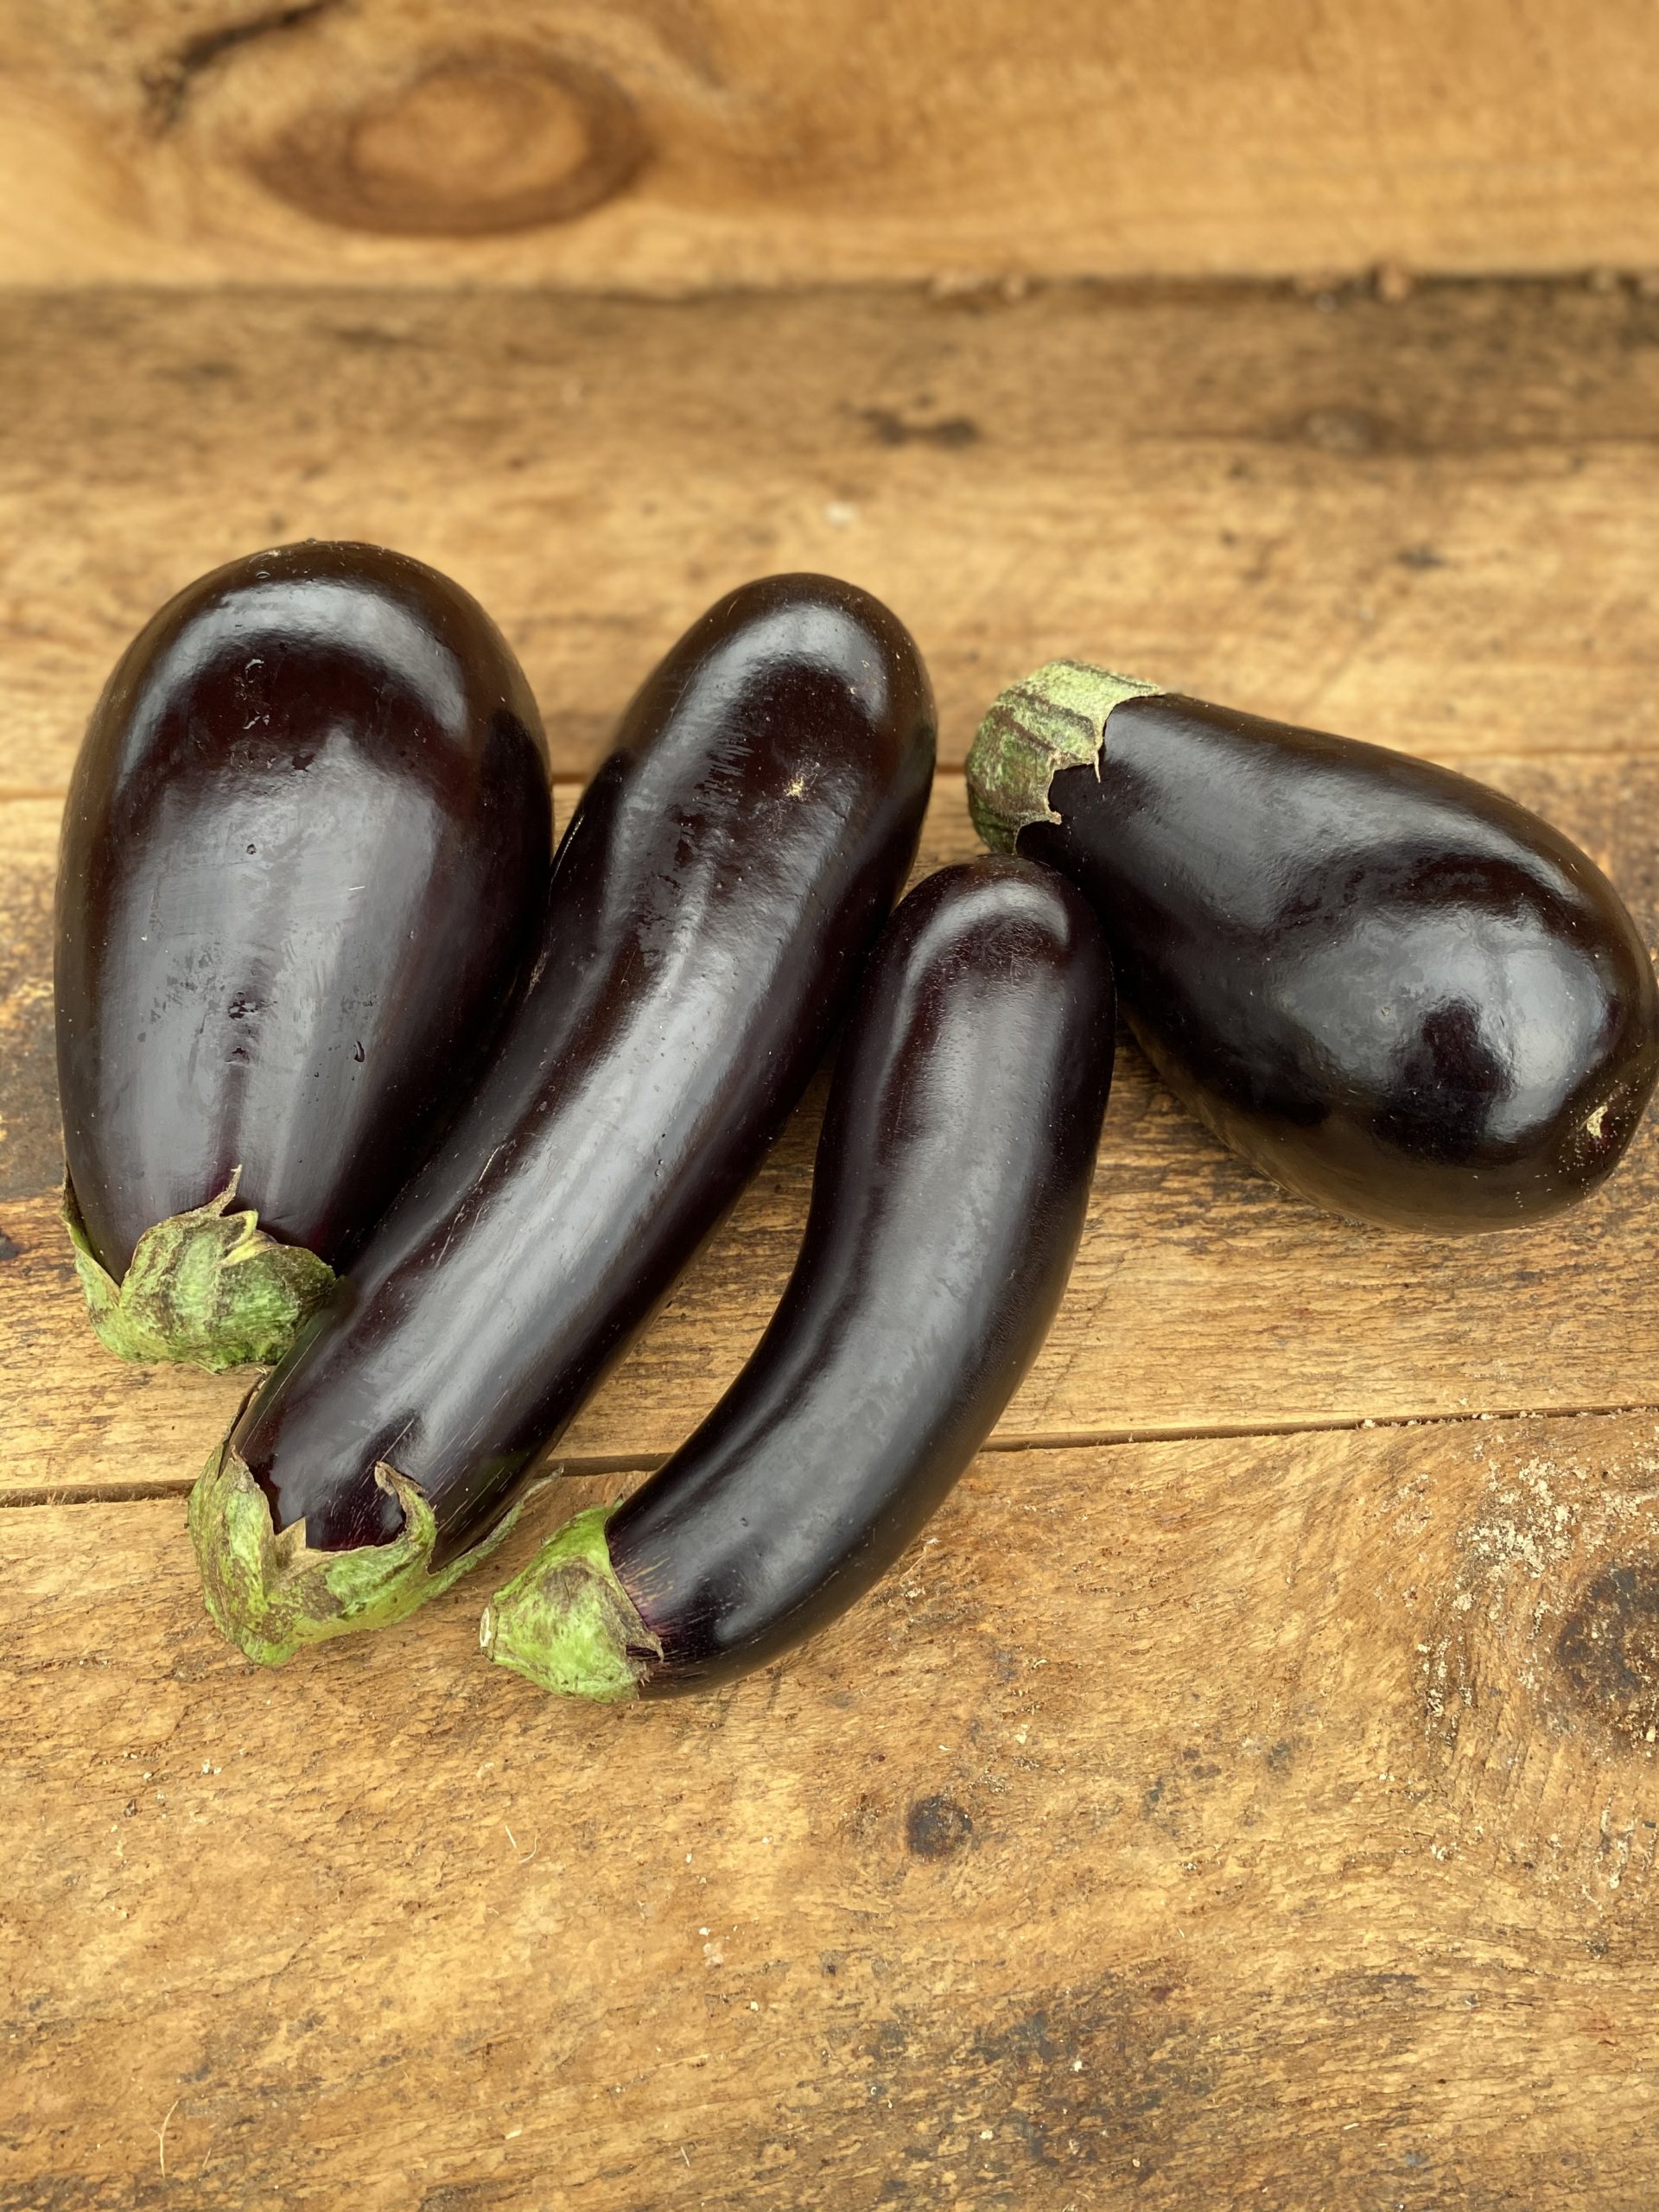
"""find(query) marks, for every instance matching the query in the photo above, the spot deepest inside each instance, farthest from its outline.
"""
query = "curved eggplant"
(305, 847)
(952, 1180)
(711, 905)
(1396, 991)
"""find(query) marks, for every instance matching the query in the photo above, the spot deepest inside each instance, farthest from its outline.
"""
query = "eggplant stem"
(271, 1595)
(567, 1623)
(1053, 719)
(206, 1289)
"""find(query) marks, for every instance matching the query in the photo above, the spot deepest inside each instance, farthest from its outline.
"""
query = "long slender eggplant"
(305, 850)
(952, 1178)
(711, 906)
(1398, 993)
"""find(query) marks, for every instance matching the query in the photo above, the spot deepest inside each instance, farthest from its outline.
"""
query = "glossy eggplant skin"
(1400, 994)
(712, 903)
(305, 848)
(952, 1180)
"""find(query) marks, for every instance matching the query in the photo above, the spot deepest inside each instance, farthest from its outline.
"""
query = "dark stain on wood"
(889, 428)
(1608, 1648)
(937, 1828)
(1086, 2080)
(168, 86)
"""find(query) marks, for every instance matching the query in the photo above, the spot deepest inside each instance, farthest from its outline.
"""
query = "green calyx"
(567, 1623)
(271, 1595)
(1055, 719)
(208, 1287)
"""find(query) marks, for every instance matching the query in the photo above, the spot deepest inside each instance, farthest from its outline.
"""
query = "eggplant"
(952, 1178)
(1401, 995)
(304, 852)
(711, 905)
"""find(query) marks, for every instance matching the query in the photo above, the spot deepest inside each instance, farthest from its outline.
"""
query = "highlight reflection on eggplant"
(305, 846)
(1400, 994)
(952, 1180)
(711, 904)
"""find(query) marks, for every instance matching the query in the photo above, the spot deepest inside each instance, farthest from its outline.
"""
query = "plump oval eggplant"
(712, 903)
(305, 848)
(1398, 993)
(952, 1180)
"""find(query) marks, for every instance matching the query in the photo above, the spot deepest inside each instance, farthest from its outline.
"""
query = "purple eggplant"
(304, 852)
(712, 903)
(952, 1178)
(1398, 993)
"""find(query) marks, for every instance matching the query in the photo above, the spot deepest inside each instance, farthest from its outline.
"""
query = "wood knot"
(936, 1828)
(1608, 1648)
(506, 138)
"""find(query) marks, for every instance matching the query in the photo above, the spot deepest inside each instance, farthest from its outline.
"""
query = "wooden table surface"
(1246, 1793)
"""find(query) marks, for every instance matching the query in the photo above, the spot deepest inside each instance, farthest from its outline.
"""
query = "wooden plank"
(1201, 1298)
(1435, 524)
(1252, 1821)
(664, 145)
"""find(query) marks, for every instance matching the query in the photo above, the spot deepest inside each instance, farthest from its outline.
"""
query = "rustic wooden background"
(1246, 1793)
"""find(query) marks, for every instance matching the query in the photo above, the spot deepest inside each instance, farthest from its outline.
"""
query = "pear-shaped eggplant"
(305, 847)
(1400, 994)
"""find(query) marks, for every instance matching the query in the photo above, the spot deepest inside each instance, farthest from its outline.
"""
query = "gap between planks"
(45, 1494)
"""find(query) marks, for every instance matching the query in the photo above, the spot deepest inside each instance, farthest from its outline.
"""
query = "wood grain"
(673, 144)
(1251, 1821)
(1203, 1298)
(1435, 524)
